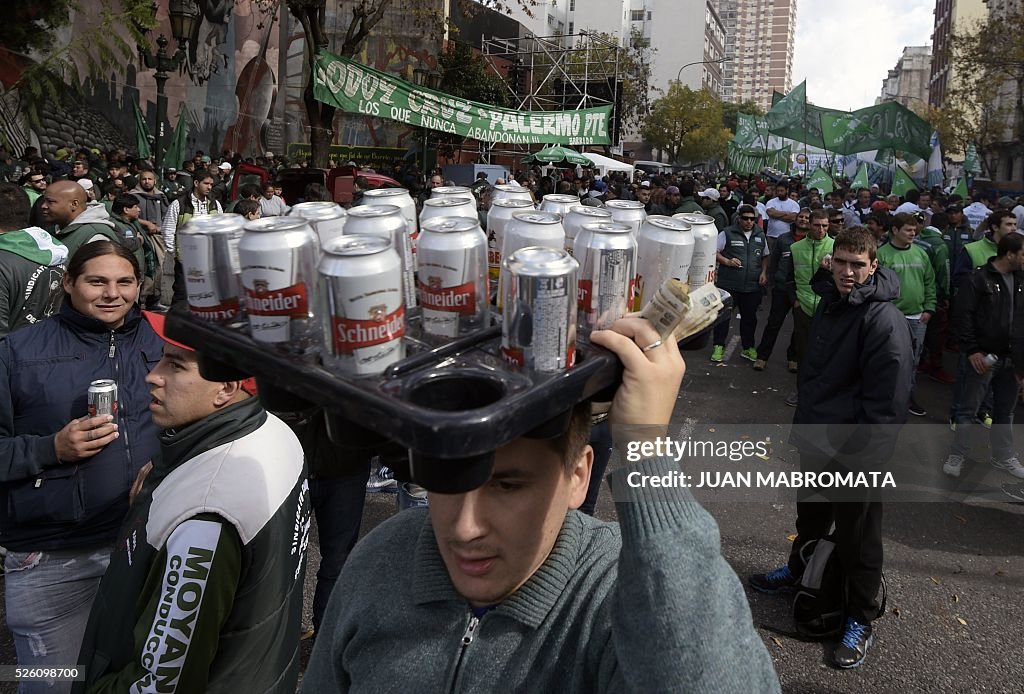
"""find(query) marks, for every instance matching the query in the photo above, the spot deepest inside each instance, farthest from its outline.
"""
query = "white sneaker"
(953, 465)
(1010, 465)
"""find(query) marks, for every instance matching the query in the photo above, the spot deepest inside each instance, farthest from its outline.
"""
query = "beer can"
(453, 288)
(327, 218)
(628, 212)
(607, 273)
(363, 311)
(399, 197)
(555, 202)
(705, 248)
(464, 206)
(208, 250)
(279, 257)
(577, 217)
(507, 191)
(539, 315)
(387, 222)
(103, 397)
(440, 192)
(664, 250)
(530, 228)
(498, 218)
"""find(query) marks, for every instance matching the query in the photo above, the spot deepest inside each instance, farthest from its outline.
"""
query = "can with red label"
(439, 192)
(103, 397)
(664, 251)
(539, 316)
(453, 276)
(279, 257)
(560, 203)
(505, 191)
(705, 248)
(607, 273)
(399, 197)
(327, 218)
(364, 311)
(577, 217)
(208, 250)
(387, 222)
(629, 212)
(498, 218)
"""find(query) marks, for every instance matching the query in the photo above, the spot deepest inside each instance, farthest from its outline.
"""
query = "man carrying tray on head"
(508, 588)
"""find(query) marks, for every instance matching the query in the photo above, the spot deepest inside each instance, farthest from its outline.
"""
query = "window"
(637, 15)
(572, 27)
(572, 8)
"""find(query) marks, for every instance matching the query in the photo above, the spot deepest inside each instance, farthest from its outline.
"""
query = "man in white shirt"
(781, 213)
(977, 211)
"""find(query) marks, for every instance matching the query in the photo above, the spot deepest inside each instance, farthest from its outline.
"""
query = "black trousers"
(858, 536)
(801, 332)
(781, 306)
(746, 304)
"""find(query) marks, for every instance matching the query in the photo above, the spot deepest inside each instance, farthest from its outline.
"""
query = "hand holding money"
(677, 312)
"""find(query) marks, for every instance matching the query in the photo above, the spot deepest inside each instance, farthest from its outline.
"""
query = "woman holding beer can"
(65, 475)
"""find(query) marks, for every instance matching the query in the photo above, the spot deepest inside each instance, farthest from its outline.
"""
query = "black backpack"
(819, 607)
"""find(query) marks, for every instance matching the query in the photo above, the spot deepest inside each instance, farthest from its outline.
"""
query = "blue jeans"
(48, 599)
(1003, 383)
(917, 332)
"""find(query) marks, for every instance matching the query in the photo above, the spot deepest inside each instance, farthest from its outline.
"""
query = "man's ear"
(579, 478)
(227, 392)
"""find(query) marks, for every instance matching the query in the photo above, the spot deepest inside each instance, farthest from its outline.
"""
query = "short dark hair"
(246, 206)
(855, 240)
(903, 219)
(746, 209)
(202, 176)
(362, 182)
(819, 214)
(249, 190)
(14, 207)
(569, 446)
(912, 195)
(97, 249)
(315, 192)
(997, 217)
(123, 202)
(1011, 243)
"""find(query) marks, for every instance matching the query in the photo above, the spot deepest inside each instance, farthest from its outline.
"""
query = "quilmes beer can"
(555, 202)
(399, 197)
(463, 206)
(208, 249)
(505, 191)
(279, 257)
(498, 218)
(628, 212)
(439, 192)
(102, 398)
(529, 228)
(705, 247)
(607, 273)
(387, 222)
(364, 312)
(539, 315)
(664, 250)
(577, 217)
(327, 218)
(453, 276)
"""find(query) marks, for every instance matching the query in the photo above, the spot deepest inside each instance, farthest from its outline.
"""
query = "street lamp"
(183, 14)
(431, 79)
(701, 62)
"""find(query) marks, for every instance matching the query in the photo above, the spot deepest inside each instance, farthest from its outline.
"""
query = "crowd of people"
(162, 546)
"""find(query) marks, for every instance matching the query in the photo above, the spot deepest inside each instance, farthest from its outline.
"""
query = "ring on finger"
(648, 348)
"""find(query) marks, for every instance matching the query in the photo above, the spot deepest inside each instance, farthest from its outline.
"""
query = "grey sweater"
(648, 605)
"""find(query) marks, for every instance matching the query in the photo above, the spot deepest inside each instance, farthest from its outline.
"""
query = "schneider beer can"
(453, 276)
(664, 251)
(440, 192)
(539, 316)
(607, 273)
(498, 218)
(400, 198)
(629, 212)
(364, 312)
(556, 202)
(505, 191)
(208, 246)
(327, 218)
(705, 247)
(462, 206)
(577, 217)
(279, 257)
(387, 222)
(529, 228)
(102, 398)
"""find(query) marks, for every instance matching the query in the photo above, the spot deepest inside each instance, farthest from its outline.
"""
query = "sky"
(845, 49)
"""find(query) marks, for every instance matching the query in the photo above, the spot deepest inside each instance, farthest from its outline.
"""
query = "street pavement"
(954, 569)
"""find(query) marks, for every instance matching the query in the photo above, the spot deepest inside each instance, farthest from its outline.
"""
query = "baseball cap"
(879, 206)
(157, 321)
(171, 169)
(645, 184)
(955, 207)
(205, 159)
(672, 190)
(710, 193)
(1007, 203)
(268, 155)
(224, 166)
(62, 154)
(85, 183)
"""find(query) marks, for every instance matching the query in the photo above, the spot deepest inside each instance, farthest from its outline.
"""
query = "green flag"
(971, 164)
(141, 132)
(961, 188)
(902, 182)
(821, 180)
(789, 111)
(175, 153)
(861, 179)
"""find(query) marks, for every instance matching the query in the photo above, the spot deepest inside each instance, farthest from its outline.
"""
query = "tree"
(730, 111)
(687, 125)
(466, 75)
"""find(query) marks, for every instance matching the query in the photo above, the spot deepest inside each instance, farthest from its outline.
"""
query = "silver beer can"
(530, 228)
(364, 310)
(387, 222)
(279, 257)
(664, 250)
(453, 288)
(399, 197)
(103, 398)
(440, 192)
(463, 206)
(498, 218)
(208, 250)
(327, 218)
(629, 212)
(560, 203)
(577, 217)
(506, 191)
(705, 248)
(539, 316)
(607, 275)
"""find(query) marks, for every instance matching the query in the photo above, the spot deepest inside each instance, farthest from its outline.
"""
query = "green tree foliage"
(730, 110)
(687, 125)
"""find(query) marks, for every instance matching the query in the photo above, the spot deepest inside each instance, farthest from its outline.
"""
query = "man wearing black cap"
(204, 588)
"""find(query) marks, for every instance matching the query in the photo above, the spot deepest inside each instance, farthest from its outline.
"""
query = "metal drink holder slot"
(452, 403)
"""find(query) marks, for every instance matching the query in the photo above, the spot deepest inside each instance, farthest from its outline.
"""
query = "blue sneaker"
(778, 581)
(382, 481)
(851, 651)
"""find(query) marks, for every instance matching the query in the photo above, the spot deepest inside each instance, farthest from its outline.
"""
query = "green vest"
(807, 255)
(981, 251)
(750, 251)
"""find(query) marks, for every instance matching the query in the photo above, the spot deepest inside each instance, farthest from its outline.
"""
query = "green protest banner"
(961, 189)
(141, 132)
(750, 161)
(175, 154)
(971, 164)
(861, 179)
(357, 88)
(751, 131)
(885, 126)
(902, 182)
(821, 180)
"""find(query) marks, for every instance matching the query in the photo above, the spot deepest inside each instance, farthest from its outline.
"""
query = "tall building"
(908, 82)
(759, 37)
(950, 16)
(1005, 162)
